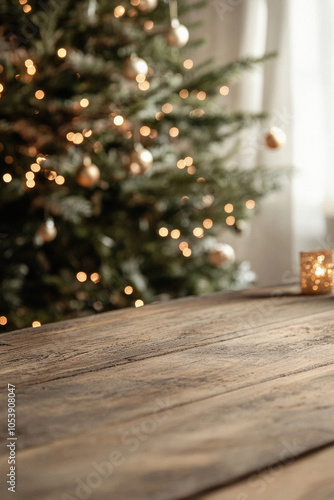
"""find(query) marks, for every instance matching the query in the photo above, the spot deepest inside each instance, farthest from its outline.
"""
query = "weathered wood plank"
(123, 393)
(110, 339)
(182, 451)
(310, 478)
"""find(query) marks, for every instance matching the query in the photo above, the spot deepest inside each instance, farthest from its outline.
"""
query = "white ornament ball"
(140, 160)
(134, 66)
(47, 231)
(222, 254)
(275, 138)
(88, 174)
(146, 6)
(177, 34)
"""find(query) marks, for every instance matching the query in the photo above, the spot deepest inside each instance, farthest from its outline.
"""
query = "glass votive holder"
(316, 272)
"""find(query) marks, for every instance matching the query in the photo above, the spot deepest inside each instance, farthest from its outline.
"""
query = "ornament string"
(173, 10)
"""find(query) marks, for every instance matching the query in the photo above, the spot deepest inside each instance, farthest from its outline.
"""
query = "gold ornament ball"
(88, 175)
(134, 66)
(275, 138)
(222, 254)
(146, 6)
(177, 34)
(47, 231)
(140, 160)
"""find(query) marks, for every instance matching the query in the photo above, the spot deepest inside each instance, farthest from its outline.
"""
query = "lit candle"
(316, 272)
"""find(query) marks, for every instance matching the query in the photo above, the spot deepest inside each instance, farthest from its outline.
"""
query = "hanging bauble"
(221, 254)
(177, 34)
(146, 6)
(139, 161)
(88, 174)
(275, 138)
(47, 231)
(134, 66)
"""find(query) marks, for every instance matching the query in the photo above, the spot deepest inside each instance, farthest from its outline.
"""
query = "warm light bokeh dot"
(28, 63)
(78, 138)
(167, 108)
(230, 220)
(7, 178)
(27, 8)
(201, 96)
(52, 175)
(175, 234)
(184, 93)
(30, 176)
(228, 208)
(36, 324)
(198, 232)
(250, 204)
(145, 131)
(191, 170)
(84, 103)
(188, 63)
(1, 87)
(224, 90)
(187, 252)
(207, 223)
(148, 25)
(95, 277)
(35, 167)
(188, 161)
(31, 70)
(128, 290)
(22, 2)
(119, 11)
(87, 133)
(140, 78)
(59, 180)
(39, 94)
(61, 52)
(183, 245)
(81, 276)
(139, 303)
(144, 86)
(181, 164)
(70, 136)
(174, 132)
(163, 232)
(30, 184)
(118, 120)
(40, 158)
(3, 320)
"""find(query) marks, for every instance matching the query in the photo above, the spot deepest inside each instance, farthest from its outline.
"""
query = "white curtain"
(296, 90)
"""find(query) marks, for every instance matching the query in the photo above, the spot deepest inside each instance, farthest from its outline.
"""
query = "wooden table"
(221, 397)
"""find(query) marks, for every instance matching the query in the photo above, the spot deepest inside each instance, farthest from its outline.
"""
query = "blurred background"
(140, 164)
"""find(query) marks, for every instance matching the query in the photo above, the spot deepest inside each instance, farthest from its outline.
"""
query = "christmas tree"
(116, 176)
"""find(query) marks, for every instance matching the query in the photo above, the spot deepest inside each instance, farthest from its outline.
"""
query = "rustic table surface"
(221, 397)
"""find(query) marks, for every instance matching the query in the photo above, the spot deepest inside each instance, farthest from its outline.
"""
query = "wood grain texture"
(310, 478)
(191, 395)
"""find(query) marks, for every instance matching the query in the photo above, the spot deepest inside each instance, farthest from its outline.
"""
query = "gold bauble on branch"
(139, 161)
(134, 66)
(275, 138)
(146, 6)
(47, 231)
(177, 34)
(221, 254)
(88, 174)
